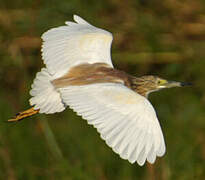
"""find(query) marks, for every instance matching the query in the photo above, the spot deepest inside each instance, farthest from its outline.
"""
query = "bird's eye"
(161, 81)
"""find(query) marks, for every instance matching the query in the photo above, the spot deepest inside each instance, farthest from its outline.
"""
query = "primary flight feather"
(79, 74)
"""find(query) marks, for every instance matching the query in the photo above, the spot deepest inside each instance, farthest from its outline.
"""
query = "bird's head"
(147, 84)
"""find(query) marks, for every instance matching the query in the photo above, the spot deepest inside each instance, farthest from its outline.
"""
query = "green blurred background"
(165, 38)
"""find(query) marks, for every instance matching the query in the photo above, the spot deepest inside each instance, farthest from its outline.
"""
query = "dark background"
(164, 38)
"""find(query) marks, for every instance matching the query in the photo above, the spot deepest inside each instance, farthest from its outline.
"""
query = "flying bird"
(79, 73)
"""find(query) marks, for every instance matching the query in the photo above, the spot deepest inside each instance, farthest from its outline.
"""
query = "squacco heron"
(79, 74)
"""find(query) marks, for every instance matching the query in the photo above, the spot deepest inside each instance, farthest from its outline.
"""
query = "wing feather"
(67, 46)
(125, 120)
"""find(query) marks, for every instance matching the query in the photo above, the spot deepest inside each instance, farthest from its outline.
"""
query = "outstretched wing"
(67, 46)
(126, 120)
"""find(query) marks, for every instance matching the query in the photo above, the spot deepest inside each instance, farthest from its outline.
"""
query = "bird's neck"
(140, 86)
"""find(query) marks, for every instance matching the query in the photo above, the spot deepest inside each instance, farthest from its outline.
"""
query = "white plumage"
(76, 43)
(45, 97)
(125, 120)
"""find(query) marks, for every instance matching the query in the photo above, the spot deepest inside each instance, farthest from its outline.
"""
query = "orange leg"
(21, 115)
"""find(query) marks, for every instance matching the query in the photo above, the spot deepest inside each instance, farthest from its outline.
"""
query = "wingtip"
(75, 16)
(79, 20)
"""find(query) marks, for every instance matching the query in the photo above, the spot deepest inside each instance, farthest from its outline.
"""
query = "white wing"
(73, 44)
(126, 120)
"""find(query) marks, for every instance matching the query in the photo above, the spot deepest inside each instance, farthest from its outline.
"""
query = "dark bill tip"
(186, 84)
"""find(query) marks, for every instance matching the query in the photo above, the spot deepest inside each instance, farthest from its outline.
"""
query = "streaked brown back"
(92, 73)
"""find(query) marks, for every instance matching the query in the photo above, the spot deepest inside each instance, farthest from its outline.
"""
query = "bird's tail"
(45, 96)
(24, 114)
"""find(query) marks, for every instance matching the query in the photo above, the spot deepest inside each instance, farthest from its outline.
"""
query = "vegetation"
(164, 38)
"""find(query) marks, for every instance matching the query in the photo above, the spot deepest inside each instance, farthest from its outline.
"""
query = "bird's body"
(92, 73)
(85, 74)
(79, 74)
